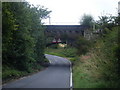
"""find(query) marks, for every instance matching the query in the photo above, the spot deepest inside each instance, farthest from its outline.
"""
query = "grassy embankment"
(99, 67)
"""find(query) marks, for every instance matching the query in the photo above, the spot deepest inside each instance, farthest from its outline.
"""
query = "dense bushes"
(100, 67)
(22, 35)
(108, 52)
(69, 52)
(105, 55)
(82, 45)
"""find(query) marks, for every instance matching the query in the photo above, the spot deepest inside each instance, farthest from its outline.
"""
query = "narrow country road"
(57, 75)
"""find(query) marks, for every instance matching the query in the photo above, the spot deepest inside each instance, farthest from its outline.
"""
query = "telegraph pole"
(118, 13)
(119, 8)
(49, 20)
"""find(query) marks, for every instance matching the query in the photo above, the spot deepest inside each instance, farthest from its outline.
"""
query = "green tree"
(37, 14)
(87, 20)
(8, 23)
(106, 21)
(23, 35)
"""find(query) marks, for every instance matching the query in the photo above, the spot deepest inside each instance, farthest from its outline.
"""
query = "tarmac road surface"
(57, 75)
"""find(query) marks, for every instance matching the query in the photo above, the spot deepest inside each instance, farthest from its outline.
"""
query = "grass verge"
(63, 52)
(87, 73)
(84, 76)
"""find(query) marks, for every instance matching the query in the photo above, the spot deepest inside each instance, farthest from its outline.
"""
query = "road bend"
(57, 75)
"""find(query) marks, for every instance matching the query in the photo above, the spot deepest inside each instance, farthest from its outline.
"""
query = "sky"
(69, 12)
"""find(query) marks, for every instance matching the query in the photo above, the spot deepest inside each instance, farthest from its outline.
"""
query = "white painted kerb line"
(71, 81)
(71, 86)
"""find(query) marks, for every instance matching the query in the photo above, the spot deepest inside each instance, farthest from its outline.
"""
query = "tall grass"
(100, 67)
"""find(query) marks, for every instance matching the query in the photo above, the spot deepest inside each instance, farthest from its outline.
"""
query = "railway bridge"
(64, 33)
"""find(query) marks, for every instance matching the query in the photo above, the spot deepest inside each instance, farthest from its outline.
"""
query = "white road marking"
(71, 82)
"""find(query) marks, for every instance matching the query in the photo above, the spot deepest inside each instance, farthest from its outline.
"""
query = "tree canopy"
(87, 20)
(22, 35)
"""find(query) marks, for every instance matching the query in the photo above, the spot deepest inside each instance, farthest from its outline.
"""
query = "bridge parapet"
(62, 29)
(65, 32)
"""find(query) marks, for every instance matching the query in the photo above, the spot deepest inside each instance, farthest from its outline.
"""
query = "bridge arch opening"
(67, 33)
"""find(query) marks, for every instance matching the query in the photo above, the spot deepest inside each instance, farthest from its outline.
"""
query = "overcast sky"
(69, 12)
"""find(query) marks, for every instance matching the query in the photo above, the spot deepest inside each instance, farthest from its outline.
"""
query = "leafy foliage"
(23, 35)
(87, 20)
(100, 67)
(110, 49)
(82, 45)
(69, 52)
